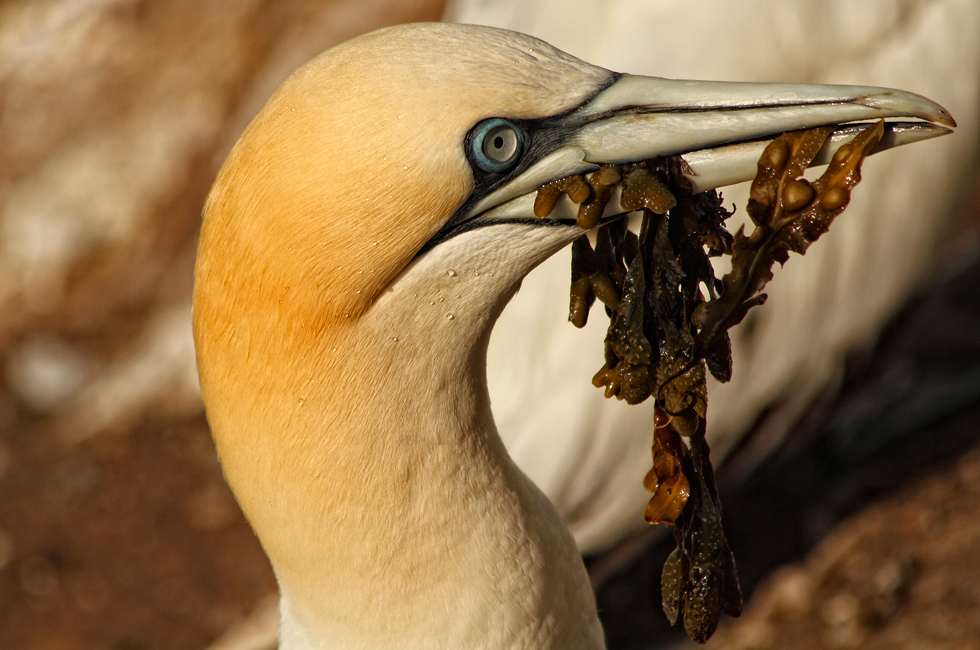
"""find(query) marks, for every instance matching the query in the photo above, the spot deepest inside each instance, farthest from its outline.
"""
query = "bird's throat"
(374, 476)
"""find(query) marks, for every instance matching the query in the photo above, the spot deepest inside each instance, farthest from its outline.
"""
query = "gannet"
(357, 246)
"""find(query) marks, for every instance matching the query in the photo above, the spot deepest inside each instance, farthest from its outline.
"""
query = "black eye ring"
(497, 144)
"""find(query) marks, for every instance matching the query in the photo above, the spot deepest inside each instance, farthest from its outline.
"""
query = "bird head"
(397, 142)
(361, 156)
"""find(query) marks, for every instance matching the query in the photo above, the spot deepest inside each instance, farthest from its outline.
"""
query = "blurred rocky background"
(117, 531)
(116, 528)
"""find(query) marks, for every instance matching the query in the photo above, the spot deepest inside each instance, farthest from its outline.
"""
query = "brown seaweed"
(665, 334)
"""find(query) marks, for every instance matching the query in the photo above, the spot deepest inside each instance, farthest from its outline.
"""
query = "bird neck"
(372, 472)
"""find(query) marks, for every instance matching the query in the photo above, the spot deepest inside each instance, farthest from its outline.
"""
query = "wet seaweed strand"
(666, 333)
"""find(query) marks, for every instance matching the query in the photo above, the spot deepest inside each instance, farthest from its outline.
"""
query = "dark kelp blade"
(669, 322)
(682, 393)
(626, 332)
(718, 358)
(672, 582)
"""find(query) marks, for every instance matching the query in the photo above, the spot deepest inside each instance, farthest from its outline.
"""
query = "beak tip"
(898, 103)
(940, 116)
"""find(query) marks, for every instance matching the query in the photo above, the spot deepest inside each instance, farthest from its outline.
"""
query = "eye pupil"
(497, 144)
(500, 143)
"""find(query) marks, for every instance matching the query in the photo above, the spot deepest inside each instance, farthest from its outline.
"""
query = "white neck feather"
(452, 547)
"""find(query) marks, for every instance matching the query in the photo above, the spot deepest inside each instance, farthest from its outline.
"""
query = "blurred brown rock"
(903, 574)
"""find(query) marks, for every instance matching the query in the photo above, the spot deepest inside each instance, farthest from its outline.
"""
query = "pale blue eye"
(497, 144)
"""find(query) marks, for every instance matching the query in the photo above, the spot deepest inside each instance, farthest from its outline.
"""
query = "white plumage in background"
(587, 452)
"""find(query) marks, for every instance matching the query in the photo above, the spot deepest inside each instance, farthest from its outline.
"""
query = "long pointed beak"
(720, 129)
(682, 116)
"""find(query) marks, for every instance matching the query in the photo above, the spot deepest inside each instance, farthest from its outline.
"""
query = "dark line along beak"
(720, 129)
